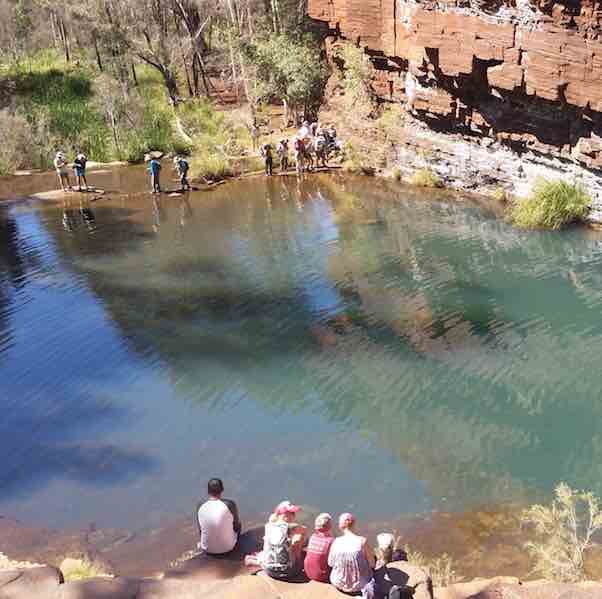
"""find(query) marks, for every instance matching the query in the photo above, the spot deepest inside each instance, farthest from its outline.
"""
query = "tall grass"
(441, 569)
(220, 144)
(62, 108)
(551, 205)
(48, 90)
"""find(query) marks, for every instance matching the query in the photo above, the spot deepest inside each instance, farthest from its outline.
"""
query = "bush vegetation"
(564, 533)
(551, 205)
(132, 79)
(358, 72)
(291, 70)
(425, 177)
(441, 569)
(80, 569)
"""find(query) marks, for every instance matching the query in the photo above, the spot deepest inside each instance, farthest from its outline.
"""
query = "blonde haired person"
(316, 558)
(60, 164)
(283, 543)
(352, 561)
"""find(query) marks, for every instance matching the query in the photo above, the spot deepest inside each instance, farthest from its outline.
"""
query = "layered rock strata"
(525, 73)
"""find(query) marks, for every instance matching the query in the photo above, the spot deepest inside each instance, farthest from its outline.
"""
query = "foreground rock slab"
(45, 582)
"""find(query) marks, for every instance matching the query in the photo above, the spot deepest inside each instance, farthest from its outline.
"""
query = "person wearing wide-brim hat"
(60, 164)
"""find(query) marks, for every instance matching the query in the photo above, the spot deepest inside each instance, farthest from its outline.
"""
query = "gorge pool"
(346, 343)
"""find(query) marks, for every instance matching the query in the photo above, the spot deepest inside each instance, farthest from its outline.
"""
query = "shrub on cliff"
(551, 205)
(425, 177)
(564, 533)
(358, 72)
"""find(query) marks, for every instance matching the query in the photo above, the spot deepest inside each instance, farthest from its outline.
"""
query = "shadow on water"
(415, 326)
(50, 431)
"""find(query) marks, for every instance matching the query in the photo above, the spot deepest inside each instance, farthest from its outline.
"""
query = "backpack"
(299, 145)
(277, 551)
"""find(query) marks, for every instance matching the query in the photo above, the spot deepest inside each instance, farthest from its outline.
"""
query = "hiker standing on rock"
(155, 170)
(299, 147)
(182, 168)
(266, 154)
(60, 164)
(79, 166)
(282, 151)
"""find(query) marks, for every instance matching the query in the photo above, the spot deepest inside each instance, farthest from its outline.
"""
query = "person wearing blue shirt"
(155, 170)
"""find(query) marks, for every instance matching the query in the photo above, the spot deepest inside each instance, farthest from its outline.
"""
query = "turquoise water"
(346, 344)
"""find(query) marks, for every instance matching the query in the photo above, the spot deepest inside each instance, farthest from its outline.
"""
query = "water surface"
(345, 343)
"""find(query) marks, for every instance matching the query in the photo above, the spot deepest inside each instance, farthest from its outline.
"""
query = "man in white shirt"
(218, 521)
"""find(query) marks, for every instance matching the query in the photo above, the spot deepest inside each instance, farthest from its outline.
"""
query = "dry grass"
(564, 532)
(441, 569)
(80, 569)
(425, 177)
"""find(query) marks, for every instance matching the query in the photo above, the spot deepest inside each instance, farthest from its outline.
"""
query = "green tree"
(293, 71)
(358, 72)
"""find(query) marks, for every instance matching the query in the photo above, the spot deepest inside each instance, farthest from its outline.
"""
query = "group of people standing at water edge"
(61, 165)
(347, 561)
(312, 140)
(181, 166)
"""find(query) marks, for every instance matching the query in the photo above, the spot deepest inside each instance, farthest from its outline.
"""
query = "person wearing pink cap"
(283, 543)
(352, 561)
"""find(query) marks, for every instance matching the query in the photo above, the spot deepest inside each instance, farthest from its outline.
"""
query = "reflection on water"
(339, 342)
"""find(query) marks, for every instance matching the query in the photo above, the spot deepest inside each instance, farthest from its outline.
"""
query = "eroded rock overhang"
(528, 74)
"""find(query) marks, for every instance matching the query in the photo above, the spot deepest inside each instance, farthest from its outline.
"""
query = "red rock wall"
(528, 73)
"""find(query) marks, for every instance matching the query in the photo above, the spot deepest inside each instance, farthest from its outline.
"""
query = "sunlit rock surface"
(526, 75)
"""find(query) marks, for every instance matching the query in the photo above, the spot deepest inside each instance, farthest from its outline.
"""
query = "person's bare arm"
(298, 536)
(369, 553)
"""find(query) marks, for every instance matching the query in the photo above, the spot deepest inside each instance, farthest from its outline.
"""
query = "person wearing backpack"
(155, 171)
(283, 543)
(182, 167)
(79, 166)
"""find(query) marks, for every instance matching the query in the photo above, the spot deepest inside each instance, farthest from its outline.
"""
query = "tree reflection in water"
(456, 343)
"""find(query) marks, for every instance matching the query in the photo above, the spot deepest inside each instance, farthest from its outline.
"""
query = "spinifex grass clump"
(425, 177)
(564, 532)
(440, 569)
(551, 205)
(80, 569)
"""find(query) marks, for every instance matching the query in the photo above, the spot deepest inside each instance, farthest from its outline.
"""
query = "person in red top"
(316, 559)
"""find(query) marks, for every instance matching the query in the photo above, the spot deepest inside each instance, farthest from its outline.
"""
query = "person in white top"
(218, 521)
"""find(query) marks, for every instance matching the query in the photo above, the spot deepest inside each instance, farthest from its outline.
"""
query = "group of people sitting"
(348, 561)
(311, 140)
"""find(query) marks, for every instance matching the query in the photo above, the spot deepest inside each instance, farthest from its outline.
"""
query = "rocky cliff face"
(526, 73)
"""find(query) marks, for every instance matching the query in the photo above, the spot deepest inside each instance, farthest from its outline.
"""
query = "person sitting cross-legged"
(283, 543)
(316, 558)
(352, 561)
(218, 521)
